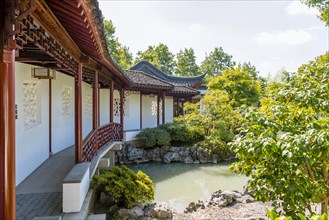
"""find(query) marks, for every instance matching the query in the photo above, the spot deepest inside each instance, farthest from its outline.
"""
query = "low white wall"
(132, 111)
(149, 114)
(104, 106)
(169, 114)
(62, 112)
(32, 138)
(87, 109)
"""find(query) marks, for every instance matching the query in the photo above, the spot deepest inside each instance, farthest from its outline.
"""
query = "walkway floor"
(40, 194)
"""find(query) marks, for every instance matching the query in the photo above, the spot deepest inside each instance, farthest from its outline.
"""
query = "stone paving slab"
(33, 205)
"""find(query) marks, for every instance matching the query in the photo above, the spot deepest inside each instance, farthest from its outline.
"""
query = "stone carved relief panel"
(31, 104)
(88, 104)
(67, 100)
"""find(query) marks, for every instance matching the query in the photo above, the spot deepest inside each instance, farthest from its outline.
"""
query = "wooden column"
(78, 115)
(7, 113)
(158, 109)
(50, 118)
(95, 102)
(141, 111)
(111, 102)
(122, 93)
(163, 108)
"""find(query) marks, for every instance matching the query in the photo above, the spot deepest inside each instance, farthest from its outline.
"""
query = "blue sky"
(270, 34)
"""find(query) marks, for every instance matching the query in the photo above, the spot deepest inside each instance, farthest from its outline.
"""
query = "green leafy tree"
(241, 87)
(186, 64)
(284, 145)
(159, 56)
(120, 53)
(216, 61)
(322, 6)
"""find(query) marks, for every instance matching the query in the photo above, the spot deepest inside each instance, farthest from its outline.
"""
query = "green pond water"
(179, 184)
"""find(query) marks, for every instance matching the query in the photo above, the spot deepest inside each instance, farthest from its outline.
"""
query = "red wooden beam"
(78, 115)
(7, 113)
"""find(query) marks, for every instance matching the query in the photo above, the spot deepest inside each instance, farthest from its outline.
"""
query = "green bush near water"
(151, 137)
(125, 186)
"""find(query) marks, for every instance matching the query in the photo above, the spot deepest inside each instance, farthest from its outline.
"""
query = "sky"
(271, 35)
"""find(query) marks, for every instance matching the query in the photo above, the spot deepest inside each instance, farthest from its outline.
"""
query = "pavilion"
(59, 86)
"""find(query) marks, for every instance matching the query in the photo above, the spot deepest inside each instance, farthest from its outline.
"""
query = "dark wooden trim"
(50, 118)
(78, 115)
(163, 108)
(111, 101)
(141, 111)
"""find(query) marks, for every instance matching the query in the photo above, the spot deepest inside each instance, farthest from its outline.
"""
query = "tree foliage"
(186, 63)
(159, 56)
(216, 61)
(284, 145)
(241, 87)
(120, 53)
(322, 6)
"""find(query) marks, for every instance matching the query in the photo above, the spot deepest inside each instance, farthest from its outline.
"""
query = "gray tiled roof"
(148, 68)
(139, 79)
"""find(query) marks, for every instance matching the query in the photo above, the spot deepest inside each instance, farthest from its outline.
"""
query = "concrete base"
(75, 188)
(97, 217)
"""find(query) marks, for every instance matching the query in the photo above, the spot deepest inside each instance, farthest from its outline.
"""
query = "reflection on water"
(179, 184)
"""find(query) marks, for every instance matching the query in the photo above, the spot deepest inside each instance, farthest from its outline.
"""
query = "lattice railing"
(89, 147)
(99, 138)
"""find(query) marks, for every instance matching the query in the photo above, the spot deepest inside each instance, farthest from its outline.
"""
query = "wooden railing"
(98, 138)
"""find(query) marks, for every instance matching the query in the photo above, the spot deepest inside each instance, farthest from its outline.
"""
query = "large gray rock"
(187, 160)
(134, 213)
(184, 151)
(154, 154)
(164, 150)
(174, 149)
(135, 154)
(202, 155)
(159, 210)
(224, 198)
(172, 157)
(214, 158)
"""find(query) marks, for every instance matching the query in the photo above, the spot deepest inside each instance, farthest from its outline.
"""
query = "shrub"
(151, 137)
(127, 188)
(180, 133)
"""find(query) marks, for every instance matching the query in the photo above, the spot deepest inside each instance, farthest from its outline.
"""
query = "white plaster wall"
(87, 110)
(169, 114)
(149, 118)
(132, 116)
(104, 106)
(32, 143)
(116, 96)
(62, 123)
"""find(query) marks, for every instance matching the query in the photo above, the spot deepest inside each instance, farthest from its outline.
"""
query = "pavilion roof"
(143, 81)
(140, 80)
(148, 68)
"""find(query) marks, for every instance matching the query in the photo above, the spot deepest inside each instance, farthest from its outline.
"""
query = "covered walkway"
(40, 194)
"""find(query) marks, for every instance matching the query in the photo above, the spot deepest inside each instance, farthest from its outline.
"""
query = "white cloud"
(289, 37)
(297, 8)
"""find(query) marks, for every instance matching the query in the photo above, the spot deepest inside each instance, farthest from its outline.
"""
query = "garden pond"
(179, 183)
